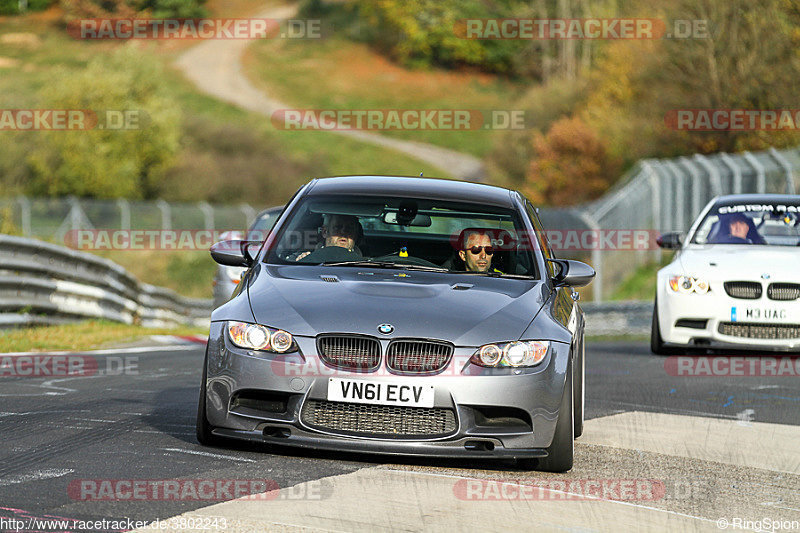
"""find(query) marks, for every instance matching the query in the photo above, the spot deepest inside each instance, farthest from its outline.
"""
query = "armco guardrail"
(618, 318)
(42, 283)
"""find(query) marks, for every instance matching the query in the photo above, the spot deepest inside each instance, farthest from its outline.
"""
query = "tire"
(578, 399)
(656, 342)
(203, 428)
(561, 452)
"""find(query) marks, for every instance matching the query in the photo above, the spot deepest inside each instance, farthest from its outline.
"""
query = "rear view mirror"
(419, 220)
(670, 241)
(572, 273)
(235, 253)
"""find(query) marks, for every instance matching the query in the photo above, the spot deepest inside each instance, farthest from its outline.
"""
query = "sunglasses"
(475, 250)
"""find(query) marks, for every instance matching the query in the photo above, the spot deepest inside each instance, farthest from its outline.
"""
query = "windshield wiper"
(385, 264)
(495, 274)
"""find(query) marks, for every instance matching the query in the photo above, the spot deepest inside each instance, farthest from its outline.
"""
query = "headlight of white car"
(511, 354)
(688, 284)
(258, 337)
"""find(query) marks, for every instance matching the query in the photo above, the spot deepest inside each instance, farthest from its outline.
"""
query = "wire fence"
(656, 195)
(51, 219)
(661, 195)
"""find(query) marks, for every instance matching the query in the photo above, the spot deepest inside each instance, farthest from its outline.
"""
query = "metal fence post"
(761, 178)
(597, 257)
(249, 214)
(208, 215)
(736, 172)
(713, 174)
(24, 215)
(124, 214)
(680, 195)
(667, 186)
(787, 168)
(655, 190)
(166, 215)
(696, 205)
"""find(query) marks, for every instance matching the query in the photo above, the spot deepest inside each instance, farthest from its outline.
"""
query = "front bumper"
(681, 319)
(525, 402)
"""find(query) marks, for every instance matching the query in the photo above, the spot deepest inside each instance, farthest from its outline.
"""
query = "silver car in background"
(227, 277)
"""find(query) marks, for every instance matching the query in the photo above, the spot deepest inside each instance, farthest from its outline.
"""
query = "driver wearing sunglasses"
(477, 253)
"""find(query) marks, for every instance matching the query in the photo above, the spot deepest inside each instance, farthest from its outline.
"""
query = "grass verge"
(356, 77)
(92, 334)
(641, 284)
(189, 273)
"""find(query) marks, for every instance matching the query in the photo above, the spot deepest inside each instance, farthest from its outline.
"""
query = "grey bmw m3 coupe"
(405, 316)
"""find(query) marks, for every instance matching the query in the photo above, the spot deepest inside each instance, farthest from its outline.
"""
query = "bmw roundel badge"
(386, 329)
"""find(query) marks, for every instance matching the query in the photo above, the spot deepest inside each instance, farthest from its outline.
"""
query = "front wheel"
(656, 342)
(561, 452)
(578, 400)
(203, 428)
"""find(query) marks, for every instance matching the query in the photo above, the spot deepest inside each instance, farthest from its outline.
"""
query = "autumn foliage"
(571, 165)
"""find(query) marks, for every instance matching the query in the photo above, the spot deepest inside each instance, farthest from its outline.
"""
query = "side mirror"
(572, 273)
(234, 253)
(670, 241)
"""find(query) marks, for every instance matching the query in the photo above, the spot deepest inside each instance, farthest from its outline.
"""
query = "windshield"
(407, 233)
(754, 224)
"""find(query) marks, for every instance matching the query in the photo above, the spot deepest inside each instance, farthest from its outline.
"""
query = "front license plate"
(380, 392)
(760, 314)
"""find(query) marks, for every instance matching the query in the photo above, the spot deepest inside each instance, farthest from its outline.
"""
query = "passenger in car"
(339, 231)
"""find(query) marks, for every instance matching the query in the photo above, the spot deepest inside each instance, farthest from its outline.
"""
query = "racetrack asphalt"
(714, 448)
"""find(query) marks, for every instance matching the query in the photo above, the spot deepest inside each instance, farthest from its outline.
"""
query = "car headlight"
(688, 284)
(511, 354)
(262, 338)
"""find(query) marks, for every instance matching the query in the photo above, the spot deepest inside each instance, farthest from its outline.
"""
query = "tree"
(109, 163)
(571, 165)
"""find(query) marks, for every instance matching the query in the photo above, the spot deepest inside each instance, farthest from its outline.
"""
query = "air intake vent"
(691, 323)
(783, 291)
(760, 331)
(745, 290)
(349, 352)
(330, 279)
(378, 420)
(418, 356)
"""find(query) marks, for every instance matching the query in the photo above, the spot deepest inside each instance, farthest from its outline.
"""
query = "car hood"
(741, 262)
(467, 310)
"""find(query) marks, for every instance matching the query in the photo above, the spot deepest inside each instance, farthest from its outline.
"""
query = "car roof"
(733, 199)
(415, 187)
(270, 211)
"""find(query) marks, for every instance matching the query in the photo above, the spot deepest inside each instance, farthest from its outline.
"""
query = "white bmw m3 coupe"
(735, 280)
